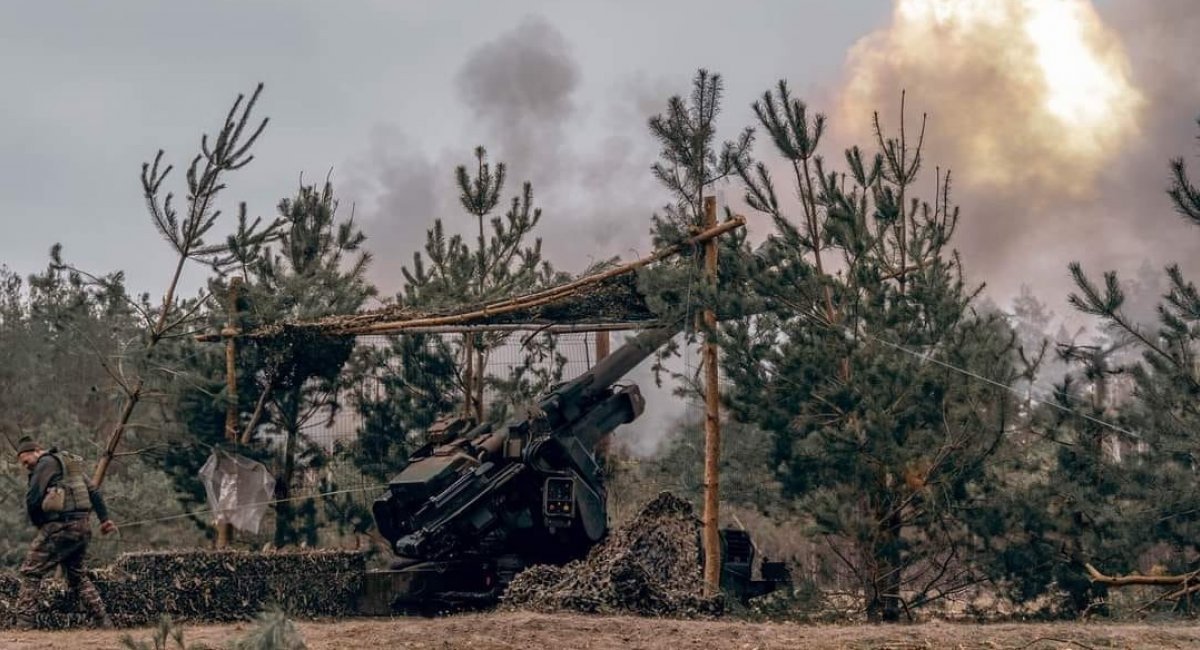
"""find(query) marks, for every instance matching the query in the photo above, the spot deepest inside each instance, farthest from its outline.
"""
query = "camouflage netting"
(205, 586)
(650, 567)
(605, 294)
(613, 300)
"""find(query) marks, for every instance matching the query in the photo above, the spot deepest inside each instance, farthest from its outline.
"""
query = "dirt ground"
(497, 631)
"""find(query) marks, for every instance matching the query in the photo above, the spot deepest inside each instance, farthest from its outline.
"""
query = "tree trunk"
(479, 378)
(884, 604)
(468, 375)
(284, 510)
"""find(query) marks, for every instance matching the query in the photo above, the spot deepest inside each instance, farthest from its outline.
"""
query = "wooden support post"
(602, 345)
(604, 448)
(712, 418)
(230, 334)
(224, 535)
(480, 379)
(225, 530)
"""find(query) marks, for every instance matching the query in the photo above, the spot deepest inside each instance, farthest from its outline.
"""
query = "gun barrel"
(610, 369)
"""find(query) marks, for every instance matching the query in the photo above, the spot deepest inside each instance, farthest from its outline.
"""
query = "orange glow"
(1018, 91)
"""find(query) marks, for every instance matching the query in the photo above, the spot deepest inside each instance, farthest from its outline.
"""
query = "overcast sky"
(376, 91)
(390, 96)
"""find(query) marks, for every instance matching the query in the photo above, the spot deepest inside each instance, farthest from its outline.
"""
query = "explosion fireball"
(1032, 93)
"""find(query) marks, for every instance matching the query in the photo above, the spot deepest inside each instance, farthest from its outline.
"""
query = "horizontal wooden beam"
(365, 324)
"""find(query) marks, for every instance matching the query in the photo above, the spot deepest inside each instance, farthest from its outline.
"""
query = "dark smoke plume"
(596, 197)
(596, 194)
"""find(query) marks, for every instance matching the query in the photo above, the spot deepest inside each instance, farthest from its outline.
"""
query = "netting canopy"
(606, 297)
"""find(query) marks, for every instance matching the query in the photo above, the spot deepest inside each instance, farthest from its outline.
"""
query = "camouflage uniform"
(62, 538)
(65, 543)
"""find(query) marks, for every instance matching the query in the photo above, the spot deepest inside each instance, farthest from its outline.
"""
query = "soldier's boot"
(91, 598)
(26, 606)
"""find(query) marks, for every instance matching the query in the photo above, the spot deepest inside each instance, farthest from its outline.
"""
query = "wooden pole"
(602, 345)
(225, 530)
(230, 334)
(712, 421)
(469, 376)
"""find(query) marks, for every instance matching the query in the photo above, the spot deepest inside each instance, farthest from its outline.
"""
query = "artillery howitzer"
(479, 503)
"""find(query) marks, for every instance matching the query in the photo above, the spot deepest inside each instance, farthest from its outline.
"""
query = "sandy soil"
(497, 631)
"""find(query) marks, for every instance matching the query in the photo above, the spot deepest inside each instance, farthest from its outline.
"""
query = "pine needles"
(274, 631)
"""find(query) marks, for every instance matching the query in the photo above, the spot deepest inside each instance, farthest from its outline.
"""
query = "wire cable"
(142, 522)
(973, 375)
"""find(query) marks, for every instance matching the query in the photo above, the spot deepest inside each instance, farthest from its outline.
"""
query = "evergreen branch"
(1184, 195)
(1108, 306)
(1092, 301)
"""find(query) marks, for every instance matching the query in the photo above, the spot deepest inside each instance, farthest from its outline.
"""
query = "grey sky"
(93, 89)
(392, 95)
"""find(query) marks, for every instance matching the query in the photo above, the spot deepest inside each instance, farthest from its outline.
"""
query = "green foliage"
(1119, 489)
(857, 362)
(167, 636)
(171, 320)
(61, 319)
(198, 395)
(164, 352)
(690, 162)
(425, 377)
(502, 263)
(59, 333)
(317, 268)
(1184, 195)
(273, 631)
(229, 151)
(416, 375)
(690, 166)
(745, 450)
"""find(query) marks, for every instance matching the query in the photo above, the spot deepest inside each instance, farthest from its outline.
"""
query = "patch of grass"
(168, 636)
(274, 631)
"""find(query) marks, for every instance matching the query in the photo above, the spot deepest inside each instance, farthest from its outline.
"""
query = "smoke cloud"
(596, 195)
(520, 87)
(519, 90)
(1057, 120)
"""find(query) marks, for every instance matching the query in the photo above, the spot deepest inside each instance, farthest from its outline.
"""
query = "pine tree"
(60, 332)
(690, 161)
(424, 377)
(1106, 508)
(416, 375)
(883, 388)
(692, 164)
(503, 263)
(190, 236)
(317, 268)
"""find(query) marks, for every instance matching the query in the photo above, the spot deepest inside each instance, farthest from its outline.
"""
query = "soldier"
(60, 501)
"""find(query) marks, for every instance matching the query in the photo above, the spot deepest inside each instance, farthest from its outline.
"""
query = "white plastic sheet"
(239, 490)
